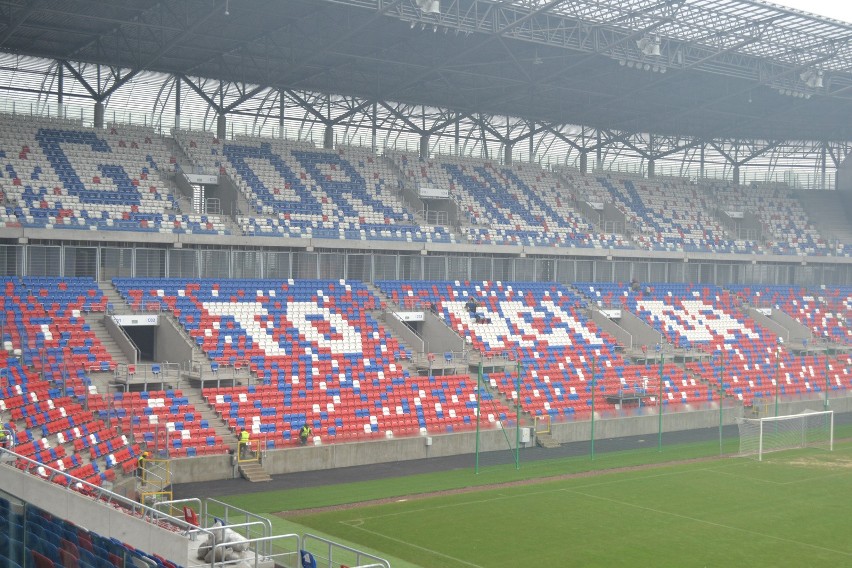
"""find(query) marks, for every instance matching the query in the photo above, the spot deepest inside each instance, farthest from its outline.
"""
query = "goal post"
(771, 434)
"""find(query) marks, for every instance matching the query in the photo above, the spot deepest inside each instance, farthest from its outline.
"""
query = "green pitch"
(789, 510)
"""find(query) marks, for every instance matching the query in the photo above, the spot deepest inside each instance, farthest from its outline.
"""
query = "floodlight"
(429, 6)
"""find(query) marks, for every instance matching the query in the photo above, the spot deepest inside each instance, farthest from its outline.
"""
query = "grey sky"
(837, 9)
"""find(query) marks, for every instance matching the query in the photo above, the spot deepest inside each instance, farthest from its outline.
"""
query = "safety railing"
(336, 554)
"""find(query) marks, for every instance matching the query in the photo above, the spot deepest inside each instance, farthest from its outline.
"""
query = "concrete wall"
(612, 328)
(169, 342)
(310, 458)
(438, 337)
(122, 340)
(94, 515)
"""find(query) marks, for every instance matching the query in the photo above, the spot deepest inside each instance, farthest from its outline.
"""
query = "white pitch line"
(358, 524)
(710, 523)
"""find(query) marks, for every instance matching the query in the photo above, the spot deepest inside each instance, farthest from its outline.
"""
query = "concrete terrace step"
(254, 472)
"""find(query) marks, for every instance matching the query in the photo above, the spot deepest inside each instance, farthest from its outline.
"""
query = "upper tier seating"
(825, 312)
(543, 326)
(319, 355)
(301, 192)
(58, 174)
(786, 226)
(519, 205)
(671, 216)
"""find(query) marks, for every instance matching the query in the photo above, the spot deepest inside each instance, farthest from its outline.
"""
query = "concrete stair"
(206, 412)
(254, 472)
(546, 441)
(116, 302)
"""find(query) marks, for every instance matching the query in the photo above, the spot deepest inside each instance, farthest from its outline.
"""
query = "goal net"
(809, 429)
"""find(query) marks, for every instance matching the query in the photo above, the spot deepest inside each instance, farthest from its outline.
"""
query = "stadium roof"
(706, 68)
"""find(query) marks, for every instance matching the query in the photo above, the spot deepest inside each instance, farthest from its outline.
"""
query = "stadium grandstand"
(236, 234)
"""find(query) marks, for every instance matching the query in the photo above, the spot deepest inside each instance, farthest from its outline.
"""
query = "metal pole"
(478, 412)
(594, 388)
(517, 417)
(660, 402)
(825, 405)
(721, 395)
(777, 373)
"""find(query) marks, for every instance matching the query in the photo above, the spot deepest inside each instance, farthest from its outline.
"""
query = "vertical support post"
(777, 374)
(375, 126)
(721, 395)
(478, 412)
(594, 388)
(99, 114)
(281, 109)
(825, 404)
(517, 418)
(178, 82)
(221, 125)
(60, 95)
(532, 142)
(660, 403)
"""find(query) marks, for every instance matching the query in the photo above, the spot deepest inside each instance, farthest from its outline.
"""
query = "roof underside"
(720, 68)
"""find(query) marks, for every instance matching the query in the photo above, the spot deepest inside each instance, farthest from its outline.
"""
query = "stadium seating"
(520, 205)
(786, 227)
(320, 356)
(543, 327)
(57, 174)
(294, 190)
(826, 313)
(670, 215)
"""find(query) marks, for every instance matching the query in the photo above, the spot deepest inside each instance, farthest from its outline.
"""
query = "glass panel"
(332, 266)
(358, 267)
(458, 268)
(81, 261)
(435, 268)
(10, 260)
(504, 269)
(585, 271)
(524, 270)
(410, 267)
(603, 270)
(150, 263)
(384, 267)
(183, 263)
(215, 264)
(305, 265)
(277, 265)
(246, 264)
(480, 269)
(621, 271)
(43, 261)
(656, 272)
(565, 271)
(116, 263)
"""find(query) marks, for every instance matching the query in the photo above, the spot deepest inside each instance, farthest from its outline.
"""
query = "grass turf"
(722, 512)
(787, 511)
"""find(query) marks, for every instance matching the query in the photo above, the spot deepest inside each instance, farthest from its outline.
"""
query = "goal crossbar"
(808, 429)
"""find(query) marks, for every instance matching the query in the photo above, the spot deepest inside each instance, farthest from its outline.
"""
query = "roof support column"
(701, 162)
(221, 125)
(599, 152)
(424, 146)
(177, 102)
(507, 153)
(374, 144)
(60, 95)
(584, 163)
(99, 114)
(651, 168)
(281, 110)
(457, 135)
(328, 137)
(736, 174)
(532, 142)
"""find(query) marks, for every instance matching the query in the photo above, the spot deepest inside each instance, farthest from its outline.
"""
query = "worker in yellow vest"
(244, 443)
